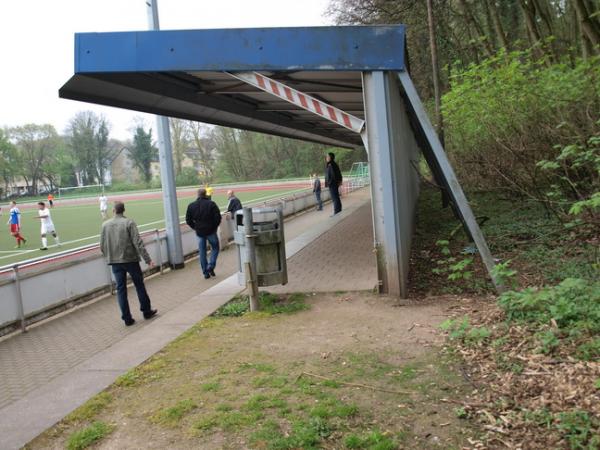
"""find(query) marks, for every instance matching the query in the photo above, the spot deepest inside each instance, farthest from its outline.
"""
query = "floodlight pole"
(167, 176)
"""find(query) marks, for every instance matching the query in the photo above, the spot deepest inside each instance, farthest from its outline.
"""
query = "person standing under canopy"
(333, 181)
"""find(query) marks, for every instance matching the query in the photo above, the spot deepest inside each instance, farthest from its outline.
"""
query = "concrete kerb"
(26, 418)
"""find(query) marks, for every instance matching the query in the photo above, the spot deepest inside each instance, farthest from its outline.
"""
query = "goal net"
(80, 191)
(359, 175)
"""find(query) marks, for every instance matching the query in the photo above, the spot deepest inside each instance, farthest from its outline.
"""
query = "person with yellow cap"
(209, 191)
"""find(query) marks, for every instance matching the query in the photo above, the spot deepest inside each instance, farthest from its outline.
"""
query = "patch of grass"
(273, 304)
(304, 434)
(227, 420)
(154, 369)
(259, 367)
(223, 407)
(128, 379)
(171, 416)
(375, 440)
(91, 408)
(269, 304)
(270, 381)
(89, 435)
(237, 306)
(577, 427)
(211, 387)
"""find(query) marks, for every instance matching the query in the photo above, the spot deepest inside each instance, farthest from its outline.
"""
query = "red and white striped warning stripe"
(300, 99)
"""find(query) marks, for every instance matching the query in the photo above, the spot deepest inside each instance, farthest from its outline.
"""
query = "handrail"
(88, 247)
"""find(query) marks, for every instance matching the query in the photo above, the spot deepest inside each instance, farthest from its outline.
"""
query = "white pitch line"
(23, 252)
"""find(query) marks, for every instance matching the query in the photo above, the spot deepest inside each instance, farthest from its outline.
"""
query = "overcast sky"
(36, 45)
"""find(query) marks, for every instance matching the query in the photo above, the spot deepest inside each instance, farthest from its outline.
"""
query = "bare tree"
(180, 141)
(199, 136)
(435, 71)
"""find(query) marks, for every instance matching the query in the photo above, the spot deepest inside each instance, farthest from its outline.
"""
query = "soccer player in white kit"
(47, 225)
(103, 205)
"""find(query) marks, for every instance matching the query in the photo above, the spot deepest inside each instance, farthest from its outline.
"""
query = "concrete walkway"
(60, 363)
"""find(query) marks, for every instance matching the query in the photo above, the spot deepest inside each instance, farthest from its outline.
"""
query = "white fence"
(36, 289)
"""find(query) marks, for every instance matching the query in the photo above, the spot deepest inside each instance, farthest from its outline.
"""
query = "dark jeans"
(120, 271)
(319, 201)
(213, 239)
(335, 198)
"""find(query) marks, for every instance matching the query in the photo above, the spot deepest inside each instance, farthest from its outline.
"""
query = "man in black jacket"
(204, 217)
(333, 180)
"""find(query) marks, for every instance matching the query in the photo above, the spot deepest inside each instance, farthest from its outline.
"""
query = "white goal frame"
(74, 188)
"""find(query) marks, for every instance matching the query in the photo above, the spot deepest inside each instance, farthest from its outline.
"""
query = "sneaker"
(212, 272)
(44, 248)
(129, 322)
(150, 314)
(206, 276)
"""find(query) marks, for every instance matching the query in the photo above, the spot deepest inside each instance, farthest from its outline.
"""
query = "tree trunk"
(590, 27)
(529, 14)
(472, 21)
(435, 72)
(493, 11)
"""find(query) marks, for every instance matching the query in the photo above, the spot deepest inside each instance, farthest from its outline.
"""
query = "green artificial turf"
(79, 224)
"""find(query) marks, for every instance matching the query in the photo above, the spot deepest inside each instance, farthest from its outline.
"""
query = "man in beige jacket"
(122, 246)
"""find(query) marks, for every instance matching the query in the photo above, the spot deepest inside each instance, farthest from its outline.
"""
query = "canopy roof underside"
(184, 74)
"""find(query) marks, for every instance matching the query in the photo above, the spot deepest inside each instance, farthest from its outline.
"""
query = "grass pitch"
(80, 224)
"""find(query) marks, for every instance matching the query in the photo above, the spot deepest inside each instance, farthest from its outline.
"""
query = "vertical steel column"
(110, 280)
(394, 186)
(158, 250)
(250, 263)
(20, 309)
(167, 176)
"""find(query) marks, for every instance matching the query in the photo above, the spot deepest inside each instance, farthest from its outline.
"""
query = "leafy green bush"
(461, 329)
(527, 127)
(572, 308)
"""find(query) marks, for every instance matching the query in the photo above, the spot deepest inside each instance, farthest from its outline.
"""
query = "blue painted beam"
(348, 48)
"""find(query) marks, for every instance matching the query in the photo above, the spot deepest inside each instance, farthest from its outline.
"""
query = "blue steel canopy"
(182, 74)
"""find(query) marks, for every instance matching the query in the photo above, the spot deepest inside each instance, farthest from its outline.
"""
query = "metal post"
(110, 281)
(158, 250)
(20, 308)
(165, 155)
(250, 264)
(394, 186)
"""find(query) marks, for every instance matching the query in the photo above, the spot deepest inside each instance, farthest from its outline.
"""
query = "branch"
(373, 388)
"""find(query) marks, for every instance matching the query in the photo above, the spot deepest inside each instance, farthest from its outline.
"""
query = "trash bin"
(269, 244)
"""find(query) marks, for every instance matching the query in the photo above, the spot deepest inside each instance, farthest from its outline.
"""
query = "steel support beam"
(432, 141)
(394, 183)
(167, 174)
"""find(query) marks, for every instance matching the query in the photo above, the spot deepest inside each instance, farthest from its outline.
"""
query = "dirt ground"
(354, 370)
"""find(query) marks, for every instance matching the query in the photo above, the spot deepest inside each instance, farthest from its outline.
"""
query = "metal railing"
(39, 287)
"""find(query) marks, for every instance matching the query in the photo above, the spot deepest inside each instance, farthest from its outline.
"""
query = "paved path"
(59, 363)
(339, 260)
